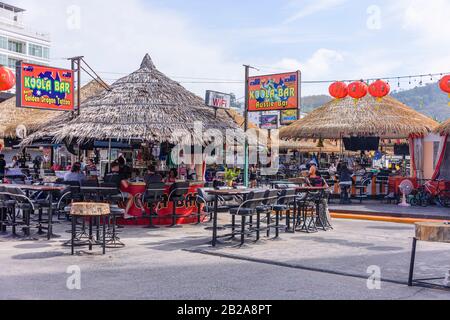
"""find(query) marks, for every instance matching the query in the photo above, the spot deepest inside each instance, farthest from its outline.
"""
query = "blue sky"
(326, 39)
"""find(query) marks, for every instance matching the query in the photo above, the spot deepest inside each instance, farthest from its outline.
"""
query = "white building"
(18, 42)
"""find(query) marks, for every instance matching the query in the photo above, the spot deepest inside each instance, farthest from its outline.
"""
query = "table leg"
(413, 260)
(295, 216)
(91, 237)
(50, 233)
(72, 242)
(216, 208)
(104, 234)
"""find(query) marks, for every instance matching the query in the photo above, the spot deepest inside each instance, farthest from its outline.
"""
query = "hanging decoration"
(7, 79)
(357, 90)
(338, 90)
(444, 84)
(379, 89)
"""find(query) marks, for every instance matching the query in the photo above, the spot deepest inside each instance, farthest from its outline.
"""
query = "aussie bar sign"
(218, 99)
(274, 92)
(42, 87)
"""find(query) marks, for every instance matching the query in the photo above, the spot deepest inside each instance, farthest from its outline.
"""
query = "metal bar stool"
(177, 194)
(153, 196)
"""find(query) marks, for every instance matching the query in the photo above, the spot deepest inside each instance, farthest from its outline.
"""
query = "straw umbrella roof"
(145, 105)
(444, 128)
(385, 118)
(304, 145)
(11, 116)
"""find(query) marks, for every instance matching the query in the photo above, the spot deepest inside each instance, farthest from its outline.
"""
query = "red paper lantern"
(357, 90)
(379, 89)
(7, 78)
(444, 84)
(338, 90)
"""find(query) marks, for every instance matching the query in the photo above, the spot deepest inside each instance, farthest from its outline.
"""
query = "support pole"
(76, 68)
(246, 147)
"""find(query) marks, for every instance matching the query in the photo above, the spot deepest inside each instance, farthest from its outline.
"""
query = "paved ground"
(178, 264)
(375, 207)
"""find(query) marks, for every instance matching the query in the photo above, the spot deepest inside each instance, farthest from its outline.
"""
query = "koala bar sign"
(42, 87)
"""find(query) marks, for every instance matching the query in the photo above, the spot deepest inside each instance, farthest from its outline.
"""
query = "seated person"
(345, 182)
(314, 180)
(151, 176)
(115, 177)
(90, 167)
(75, 175)
(172, 178)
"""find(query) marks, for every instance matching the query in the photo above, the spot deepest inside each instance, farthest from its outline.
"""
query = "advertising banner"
(269, 122)
(274, 92)
(288, 117)
(218, 99)
(42, 87)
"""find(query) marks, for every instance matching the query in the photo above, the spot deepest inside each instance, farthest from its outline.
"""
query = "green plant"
(231, 174)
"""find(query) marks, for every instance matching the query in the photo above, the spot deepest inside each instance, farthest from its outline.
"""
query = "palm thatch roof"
(145, 105)
(444, 128)
(386, 118)
(304, 145)
(11, 116)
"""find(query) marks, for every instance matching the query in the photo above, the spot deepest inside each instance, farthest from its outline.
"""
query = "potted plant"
(231, 175)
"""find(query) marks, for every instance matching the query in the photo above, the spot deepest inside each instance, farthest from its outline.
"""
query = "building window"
(3, 60)
(4, 43)
(46, 53)
(17, 46)
(35, 50)
(12, 63)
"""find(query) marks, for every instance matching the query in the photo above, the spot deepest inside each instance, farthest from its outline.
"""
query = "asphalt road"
(178, 264)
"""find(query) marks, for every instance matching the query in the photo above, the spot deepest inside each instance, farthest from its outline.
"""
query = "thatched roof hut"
(304, 145)
(444, 128)
(11, 116)
(385, 118)
(145, 105)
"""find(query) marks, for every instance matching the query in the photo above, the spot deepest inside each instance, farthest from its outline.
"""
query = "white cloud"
(311, 8)
(426, 23)
(320, 64)
(115, 35)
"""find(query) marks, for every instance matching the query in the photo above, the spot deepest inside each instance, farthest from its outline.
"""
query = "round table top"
(90, 209)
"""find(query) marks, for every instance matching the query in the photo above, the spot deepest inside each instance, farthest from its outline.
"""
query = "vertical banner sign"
(269, 122)
(288, 117)
(218, 99)
(42, 87)
(274, 92)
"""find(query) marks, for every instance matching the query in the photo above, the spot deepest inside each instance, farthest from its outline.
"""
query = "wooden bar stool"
(91, 212)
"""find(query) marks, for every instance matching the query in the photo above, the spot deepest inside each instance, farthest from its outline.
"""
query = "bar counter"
(134, 206)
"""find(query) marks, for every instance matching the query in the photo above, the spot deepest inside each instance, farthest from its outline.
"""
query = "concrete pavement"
(178, 264)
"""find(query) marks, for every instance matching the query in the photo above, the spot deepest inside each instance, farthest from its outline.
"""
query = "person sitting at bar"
(315, 180)
(151, 176)
(2, 166)
(90, 166)
(172, 178)
(345, 182)
(75, 175)
(115, 177)
(125, 170)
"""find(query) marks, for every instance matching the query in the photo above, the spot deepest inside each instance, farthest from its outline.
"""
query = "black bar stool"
(153, 196)
(248, 209)
(177, 194)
